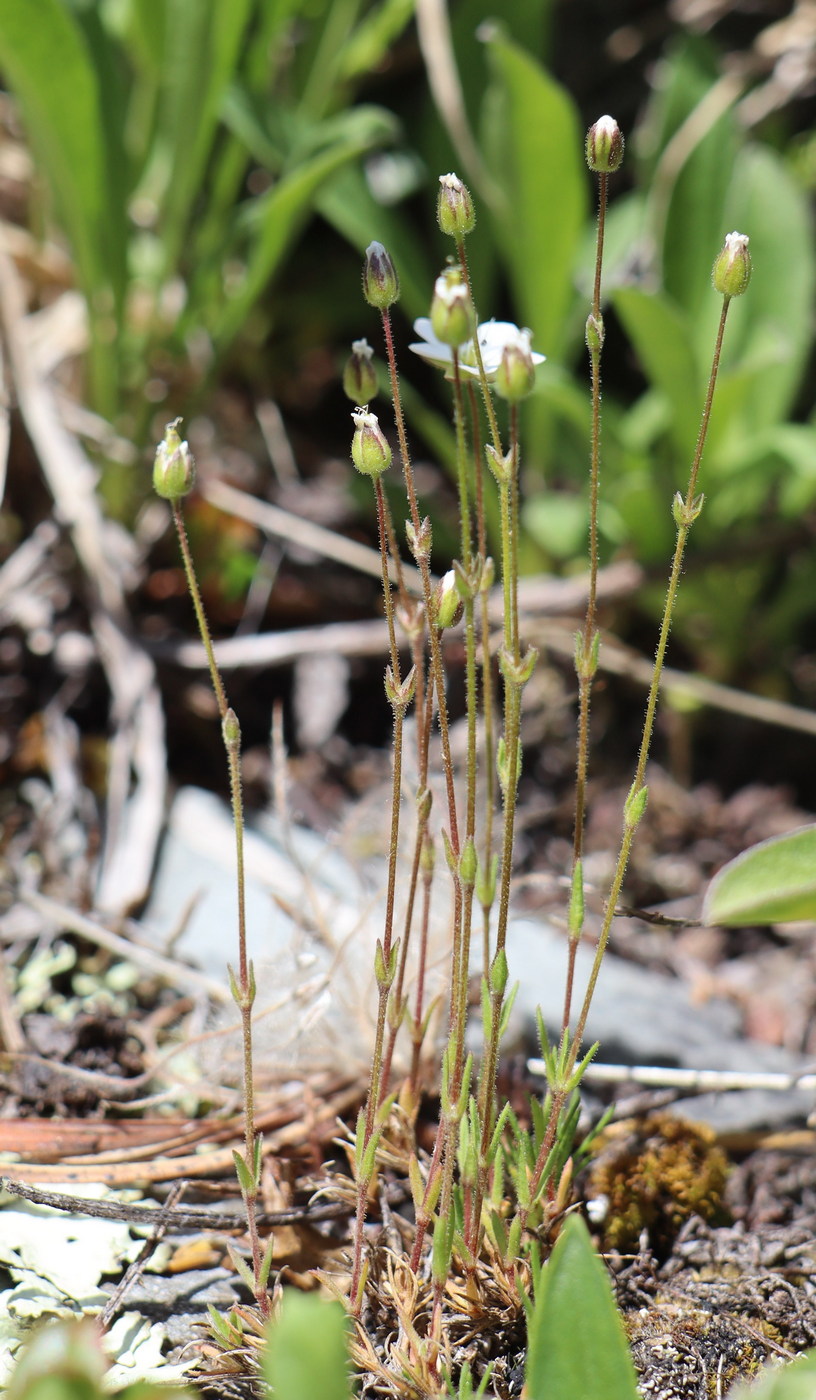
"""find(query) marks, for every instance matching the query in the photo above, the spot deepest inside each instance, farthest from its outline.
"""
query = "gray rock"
(313, 918)
(642, 1017)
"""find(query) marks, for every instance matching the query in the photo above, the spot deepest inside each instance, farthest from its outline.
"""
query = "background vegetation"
(217, 171)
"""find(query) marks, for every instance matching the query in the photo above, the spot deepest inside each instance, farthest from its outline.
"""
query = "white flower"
(493, 336)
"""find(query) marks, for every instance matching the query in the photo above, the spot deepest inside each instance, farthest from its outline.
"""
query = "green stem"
(487, 676)
(246, 982)
(686, 511)
(437, 668)
(399, 701)
(487, 397)
(584, 657)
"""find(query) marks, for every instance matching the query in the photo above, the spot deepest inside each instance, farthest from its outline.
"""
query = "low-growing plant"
(494, 1234)
(492, 1196)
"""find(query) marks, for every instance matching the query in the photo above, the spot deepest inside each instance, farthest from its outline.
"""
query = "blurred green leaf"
(696, 149)
(49, 68)
(306, 1355)
(276, 216)
(534, 147)
(557, 521)
(203, 39)
(662, 338)
(796, 1381)
(772, 323)
(347, 203)
(367, 46)
(773, 882)
(577, 1346)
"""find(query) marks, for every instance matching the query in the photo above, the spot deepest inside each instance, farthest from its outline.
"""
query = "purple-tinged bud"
(370, 451)
(174, 465)
(732, 270)
(380, 280)
(359, 375)
(515, 377)
(453, 319)
(454, 209)
(604, 146)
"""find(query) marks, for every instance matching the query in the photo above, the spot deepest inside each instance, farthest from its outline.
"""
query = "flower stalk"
(173, 478)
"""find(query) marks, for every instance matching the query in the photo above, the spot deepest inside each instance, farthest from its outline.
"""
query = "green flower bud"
(359, 375)
(454, 209)
(515, 377)
(370, 451)
(231, 730)
(594, 334)
(732, 270)
(380, 280)
(447, 602)
(174, 465)
(453, 319)
(604, 146)
(468, 864)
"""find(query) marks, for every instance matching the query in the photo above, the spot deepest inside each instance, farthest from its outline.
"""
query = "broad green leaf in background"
(203, 38)
(306, 1355)
(690, 177)
(660, 333)
(375, 34)
(577, 1348)
(534, 147)
(796, 1381)
(347, 203)
(276, 216)
(558, 521)
(46, 62)
(773, 882)
(773, 322)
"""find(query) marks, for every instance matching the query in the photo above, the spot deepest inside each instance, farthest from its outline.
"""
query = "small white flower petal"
(492, 336)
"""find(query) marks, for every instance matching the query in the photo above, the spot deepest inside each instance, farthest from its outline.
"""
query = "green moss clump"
(653, 1176)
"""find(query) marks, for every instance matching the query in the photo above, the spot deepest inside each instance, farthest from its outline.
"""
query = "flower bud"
(732, 270)
(174, 465)
(453, 319)
(370, 451)
(468, 864)
(454, 209)
(604, 146)
(380, 280)
(447, 602)
(359, 375)
(231, 730)
(594, 334)
(515, 377)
